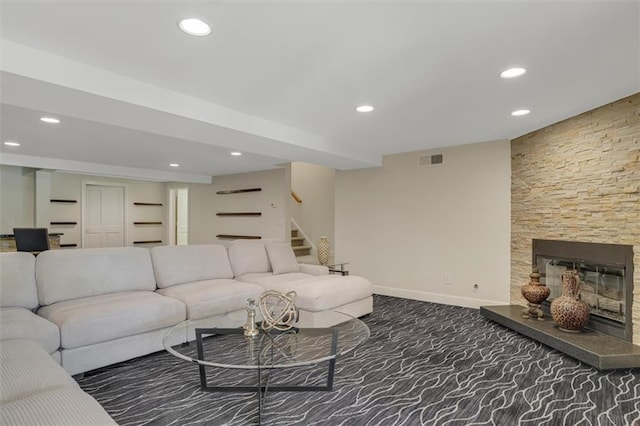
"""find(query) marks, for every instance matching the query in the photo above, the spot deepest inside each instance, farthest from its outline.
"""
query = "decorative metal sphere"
(278, 310)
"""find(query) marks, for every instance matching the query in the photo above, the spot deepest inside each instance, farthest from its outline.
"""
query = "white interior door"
(182, 218)
(104, 217)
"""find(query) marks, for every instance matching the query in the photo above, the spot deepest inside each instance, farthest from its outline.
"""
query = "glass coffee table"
(228, 348)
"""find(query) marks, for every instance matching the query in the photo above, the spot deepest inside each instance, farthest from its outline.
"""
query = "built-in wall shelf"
(57, 200)
(238, 237)
(240, 214)
(238, 191)
(63, 211)
(149, 225)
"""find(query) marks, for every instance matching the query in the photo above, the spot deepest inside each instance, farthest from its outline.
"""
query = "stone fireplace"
(606, 275)
(578, 180)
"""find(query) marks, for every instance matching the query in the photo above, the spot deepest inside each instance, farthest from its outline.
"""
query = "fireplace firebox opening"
(606, 275)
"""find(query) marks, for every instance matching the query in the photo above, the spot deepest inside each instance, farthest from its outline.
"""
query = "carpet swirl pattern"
(425, 364)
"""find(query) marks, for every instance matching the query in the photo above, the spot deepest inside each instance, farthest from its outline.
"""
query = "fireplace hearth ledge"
(596, 349)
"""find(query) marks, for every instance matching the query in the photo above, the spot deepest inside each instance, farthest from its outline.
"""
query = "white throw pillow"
(248, 256)
(282, 258)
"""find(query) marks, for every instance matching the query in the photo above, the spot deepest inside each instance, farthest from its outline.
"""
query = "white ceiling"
(280, 81)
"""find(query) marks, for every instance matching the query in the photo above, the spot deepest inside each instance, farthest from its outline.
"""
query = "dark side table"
(338, 268)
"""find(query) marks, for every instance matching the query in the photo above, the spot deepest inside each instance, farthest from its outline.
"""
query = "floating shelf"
(238, 237)
(240, 214)
(148, 204)
(69, 245)
(148, 242)
(56, 200)
(147, 223)
(239, 191)
(63, 223)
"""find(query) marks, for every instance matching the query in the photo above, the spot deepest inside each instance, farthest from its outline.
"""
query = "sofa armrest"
(313, 269)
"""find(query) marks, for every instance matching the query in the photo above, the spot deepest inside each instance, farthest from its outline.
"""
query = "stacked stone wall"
(578, 180)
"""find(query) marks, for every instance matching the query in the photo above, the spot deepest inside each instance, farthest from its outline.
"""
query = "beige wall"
(70, 186)
(17, 197)
(410, 228)
(18, 206)
(18, 194)
(578, 180)
(315, 185)
(271, 201)
(201, 210)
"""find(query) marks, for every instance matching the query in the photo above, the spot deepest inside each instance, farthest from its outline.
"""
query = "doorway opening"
(179, 216)
(103, 215)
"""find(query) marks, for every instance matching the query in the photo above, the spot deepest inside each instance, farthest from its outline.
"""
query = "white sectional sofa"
(105, 305)
(34, 388)
(96, 307)
(200, 276)
(18, 299)
(273, 266)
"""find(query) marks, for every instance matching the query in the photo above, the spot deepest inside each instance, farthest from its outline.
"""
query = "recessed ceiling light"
(513, 72)
(174, 165)
(364, 108)
(236, 153)
(195, 27)
(519, 112)
(50, 120)
(11, 143)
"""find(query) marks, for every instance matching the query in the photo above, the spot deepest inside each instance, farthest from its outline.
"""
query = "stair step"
(297, 241)
(309, 259)
(294, 232)
(302, 250)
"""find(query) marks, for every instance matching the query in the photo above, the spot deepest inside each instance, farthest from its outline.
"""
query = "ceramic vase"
(535, 292)
(323, 251)
(568, 311)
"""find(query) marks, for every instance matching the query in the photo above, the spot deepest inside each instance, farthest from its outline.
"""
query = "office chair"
(31, 239)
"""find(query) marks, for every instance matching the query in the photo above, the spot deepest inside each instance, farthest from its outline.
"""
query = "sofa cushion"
(20, 323)
(314, 269)
(26, 369)
(68, 406)
(282, 258)
(213, 297)
(267, 279)
(18, 280)
(111, 316)
(318, 293)
(248, 256)
(185, 264)
(72, 274)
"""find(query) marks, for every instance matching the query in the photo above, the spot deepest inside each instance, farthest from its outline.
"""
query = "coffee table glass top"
(338, 335)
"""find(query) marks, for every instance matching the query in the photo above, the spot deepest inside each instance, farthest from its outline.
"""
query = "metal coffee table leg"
(261, 388)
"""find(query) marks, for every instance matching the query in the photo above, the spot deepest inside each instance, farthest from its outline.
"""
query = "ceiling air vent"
(427, 160)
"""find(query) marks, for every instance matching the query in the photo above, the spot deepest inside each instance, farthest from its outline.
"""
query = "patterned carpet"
(425, 364)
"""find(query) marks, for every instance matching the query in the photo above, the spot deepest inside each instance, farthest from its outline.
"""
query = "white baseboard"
(445, 299)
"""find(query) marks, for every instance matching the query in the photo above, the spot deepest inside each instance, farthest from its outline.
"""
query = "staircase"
(298, 244)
